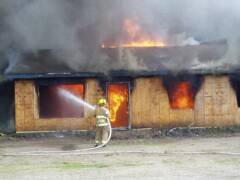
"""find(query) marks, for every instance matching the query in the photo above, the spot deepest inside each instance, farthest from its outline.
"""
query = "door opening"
(118, 98)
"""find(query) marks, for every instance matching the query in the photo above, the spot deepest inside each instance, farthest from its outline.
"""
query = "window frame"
(49, 82)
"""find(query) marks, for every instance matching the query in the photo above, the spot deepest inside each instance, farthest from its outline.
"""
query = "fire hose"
(39, 153)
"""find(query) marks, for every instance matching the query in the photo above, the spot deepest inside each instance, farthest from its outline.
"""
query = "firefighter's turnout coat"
(102, 117)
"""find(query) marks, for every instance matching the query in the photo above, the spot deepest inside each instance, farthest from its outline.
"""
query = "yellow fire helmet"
(102, 102)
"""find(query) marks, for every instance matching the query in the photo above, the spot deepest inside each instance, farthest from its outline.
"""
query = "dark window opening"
(238, 97)
(54, 101)
(235, 82)
(238, 93)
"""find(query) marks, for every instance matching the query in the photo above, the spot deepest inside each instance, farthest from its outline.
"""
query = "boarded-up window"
(53, 103)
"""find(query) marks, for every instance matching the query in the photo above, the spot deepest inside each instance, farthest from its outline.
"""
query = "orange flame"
(117, 100)
(118, 104)
(182, 96)
(136, 37)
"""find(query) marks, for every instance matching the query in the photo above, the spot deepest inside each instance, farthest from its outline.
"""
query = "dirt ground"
(159, 158)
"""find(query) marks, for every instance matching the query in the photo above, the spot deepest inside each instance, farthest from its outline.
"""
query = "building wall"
(27, 115)
(149, 104)
(215, 105)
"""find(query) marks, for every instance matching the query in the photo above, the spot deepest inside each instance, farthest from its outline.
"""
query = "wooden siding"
(215, 106)
(216, 103)
(149, 104)
(27, 114)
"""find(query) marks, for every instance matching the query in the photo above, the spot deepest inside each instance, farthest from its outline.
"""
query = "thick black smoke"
(75, 29)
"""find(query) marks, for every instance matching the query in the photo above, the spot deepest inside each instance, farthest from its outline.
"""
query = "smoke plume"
(75, 29)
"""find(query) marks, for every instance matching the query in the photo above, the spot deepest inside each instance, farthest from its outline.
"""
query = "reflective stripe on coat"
(102, 116)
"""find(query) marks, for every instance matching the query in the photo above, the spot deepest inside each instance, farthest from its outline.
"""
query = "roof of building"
(206, 58)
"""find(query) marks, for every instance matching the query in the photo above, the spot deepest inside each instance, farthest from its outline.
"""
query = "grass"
(129, 164)
(229, 161)
(13, 168)
(67, 166)
(175, 162)
(2, 136)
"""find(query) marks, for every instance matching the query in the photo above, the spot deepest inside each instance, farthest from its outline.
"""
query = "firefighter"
(102, 122)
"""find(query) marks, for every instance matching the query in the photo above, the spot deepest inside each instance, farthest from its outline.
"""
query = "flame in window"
(181, 96)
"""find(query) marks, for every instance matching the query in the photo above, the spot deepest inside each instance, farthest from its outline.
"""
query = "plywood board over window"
(216, 103)
(149, 104)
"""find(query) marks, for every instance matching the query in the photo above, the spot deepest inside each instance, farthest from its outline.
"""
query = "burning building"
(134, 102)
(150, 81)
(137, 99)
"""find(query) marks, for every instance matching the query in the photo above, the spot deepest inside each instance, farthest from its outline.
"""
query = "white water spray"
(76, 99)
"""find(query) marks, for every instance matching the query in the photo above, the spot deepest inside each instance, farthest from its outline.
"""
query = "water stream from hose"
(76, 99)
